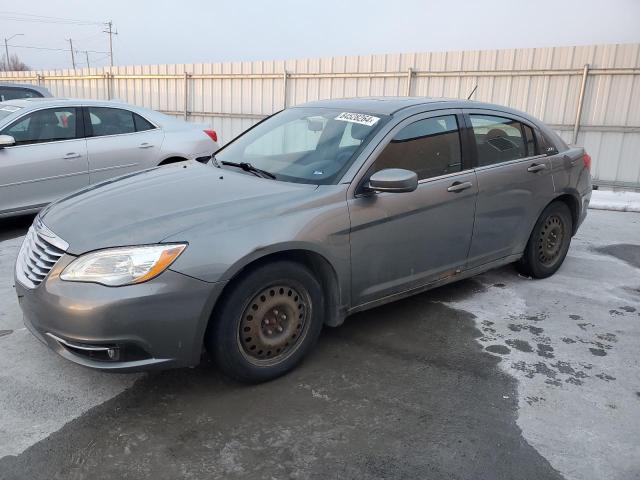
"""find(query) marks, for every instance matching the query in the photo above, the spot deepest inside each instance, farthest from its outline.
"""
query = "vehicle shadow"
(12, 227)
(401, 391)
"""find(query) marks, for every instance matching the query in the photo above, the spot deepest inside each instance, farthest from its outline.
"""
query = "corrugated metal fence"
(589, 94)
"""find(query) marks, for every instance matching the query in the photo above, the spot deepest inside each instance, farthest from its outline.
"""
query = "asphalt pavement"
(497, 377)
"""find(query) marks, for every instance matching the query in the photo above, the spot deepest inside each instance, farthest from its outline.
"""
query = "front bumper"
(156, 324)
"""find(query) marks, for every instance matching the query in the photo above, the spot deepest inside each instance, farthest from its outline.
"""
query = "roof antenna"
(472, 92)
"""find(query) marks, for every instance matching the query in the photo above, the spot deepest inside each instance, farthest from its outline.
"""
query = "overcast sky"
(190, 31)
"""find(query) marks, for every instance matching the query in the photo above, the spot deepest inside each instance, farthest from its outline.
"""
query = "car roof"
(376, 105)
(57, 101)
(37, 88)
(27, 105)
(392, 105)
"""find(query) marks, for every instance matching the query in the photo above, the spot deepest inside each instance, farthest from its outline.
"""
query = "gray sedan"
(52, 147)
(317, 212)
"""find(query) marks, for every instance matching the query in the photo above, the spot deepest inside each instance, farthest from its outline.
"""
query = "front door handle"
(536, 167)
(459, 186)
(71, 155)
(145, 145)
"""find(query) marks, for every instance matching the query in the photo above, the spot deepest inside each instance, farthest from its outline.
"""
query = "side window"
(111, 121)
(429, 147)
(50, 125)
(500, 139)
(142, 124)
(12, 93)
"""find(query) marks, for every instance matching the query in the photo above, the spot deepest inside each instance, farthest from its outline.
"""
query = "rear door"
(120, 141)
(402, 241)
(514, 184)
(49, 159)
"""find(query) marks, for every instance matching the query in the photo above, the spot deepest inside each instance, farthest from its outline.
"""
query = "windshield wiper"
(247, 167)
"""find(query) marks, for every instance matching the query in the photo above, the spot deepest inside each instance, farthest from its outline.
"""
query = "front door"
(514, 185)
(401, 241)
(48, 160)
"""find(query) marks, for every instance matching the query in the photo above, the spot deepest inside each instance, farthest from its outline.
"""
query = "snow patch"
(618, 201)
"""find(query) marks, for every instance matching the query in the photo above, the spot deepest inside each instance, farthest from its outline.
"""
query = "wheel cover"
(274, 323)
(551, 240)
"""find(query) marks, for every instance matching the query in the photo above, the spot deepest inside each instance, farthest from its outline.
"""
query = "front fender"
(217, 254)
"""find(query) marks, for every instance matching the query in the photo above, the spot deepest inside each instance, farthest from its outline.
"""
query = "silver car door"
(119, 142)
(401, 241)
(514, 184)
(48, 160)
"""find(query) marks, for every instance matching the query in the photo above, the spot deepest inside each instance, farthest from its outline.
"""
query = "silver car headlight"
(119, 266)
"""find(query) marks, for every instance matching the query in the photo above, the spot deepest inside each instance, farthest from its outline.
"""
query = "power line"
(27, 17)
(40, 16)
(54, 49)
(104, 57)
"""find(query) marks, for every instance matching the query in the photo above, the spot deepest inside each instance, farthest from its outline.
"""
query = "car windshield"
(6, 110)
(304, 145)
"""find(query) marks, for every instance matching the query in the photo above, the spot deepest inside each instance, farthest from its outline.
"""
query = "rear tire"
(269, 320)
(549, 242)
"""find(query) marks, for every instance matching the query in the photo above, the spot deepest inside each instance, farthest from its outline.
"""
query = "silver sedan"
(52, 147)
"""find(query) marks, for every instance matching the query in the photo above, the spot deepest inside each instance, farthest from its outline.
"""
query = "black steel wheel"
(274, 323)
(266, 322)
(549, 242)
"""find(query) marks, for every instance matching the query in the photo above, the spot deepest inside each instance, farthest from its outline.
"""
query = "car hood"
(148, 207)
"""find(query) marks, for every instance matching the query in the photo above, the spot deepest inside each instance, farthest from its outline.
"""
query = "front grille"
(36, 258)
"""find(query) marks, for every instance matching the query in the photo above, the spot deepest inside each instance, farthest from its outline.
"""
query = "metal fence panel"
(545, 82)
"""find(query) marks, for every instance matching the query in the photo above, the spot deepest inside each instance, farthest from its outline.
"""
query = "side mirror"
(7, 141)
(393, 180)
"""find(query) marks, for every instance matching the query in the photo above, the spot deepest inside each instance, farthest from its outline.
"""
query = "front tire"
(549, 242)
(267, 323)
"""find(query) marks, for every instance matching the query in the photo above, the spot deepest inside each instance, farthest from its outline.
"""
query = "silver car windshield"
(6, 110)
(304, 145)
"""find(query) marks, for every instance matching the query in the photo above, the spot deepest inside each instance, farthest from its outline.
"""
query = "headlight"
(123, 265)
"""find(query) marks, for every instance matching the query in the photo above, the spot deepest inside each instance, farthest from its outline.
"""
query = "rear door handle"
(71, 155)
(459, 186)
(536, 167)
(145, 145)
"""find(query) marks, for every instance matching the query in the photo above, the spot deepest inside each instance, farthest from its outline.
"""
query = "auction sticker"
(361, 118)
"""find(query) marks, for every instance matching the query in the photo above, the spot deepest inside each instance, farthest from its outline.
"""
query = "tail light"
(587, 161)
(212, 135)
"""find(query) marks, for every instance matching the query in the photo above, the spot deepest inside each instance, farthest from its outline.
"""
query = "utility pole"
(73, 59)
(6, 46)
(111, 34)
(87, 55)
